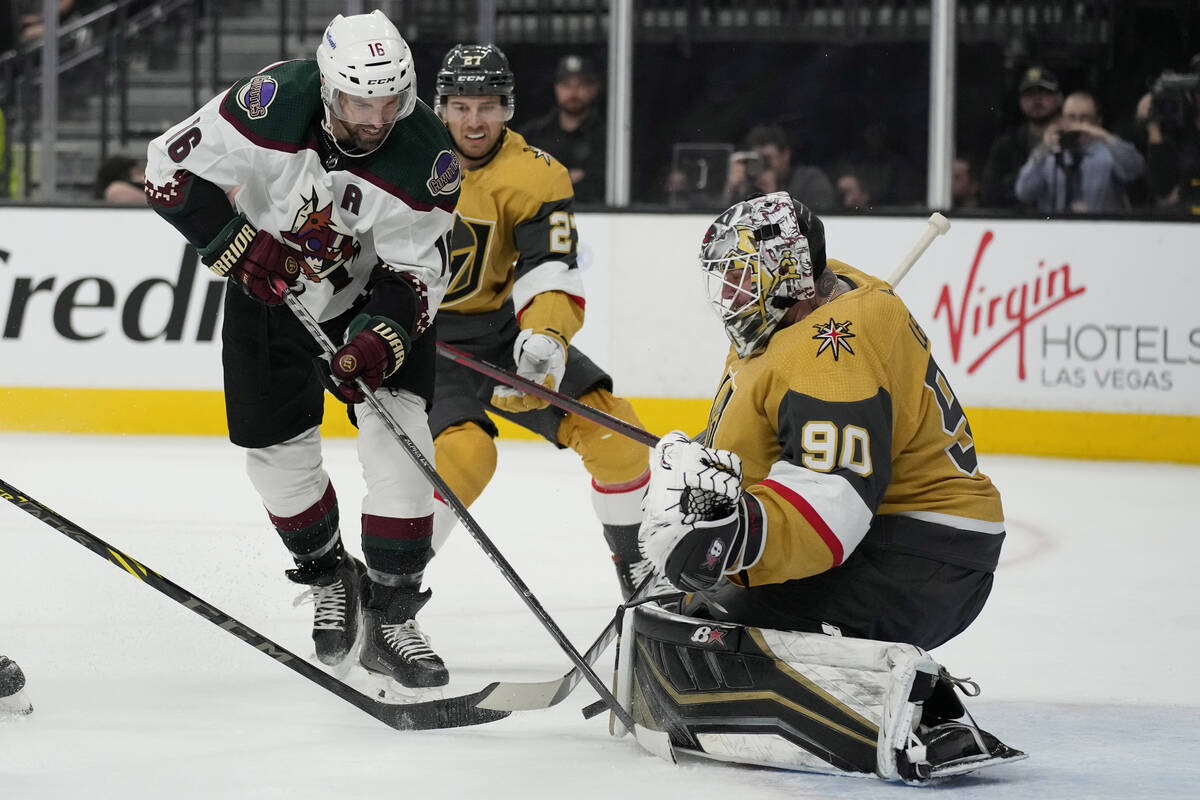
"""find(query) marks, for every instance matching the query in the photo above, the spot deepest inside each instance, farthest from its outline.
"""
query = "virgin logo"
(992, 318)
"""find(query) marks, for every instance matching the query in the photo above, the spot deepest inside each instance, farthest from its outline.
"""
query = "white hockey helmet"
(759, 258)
(364, 56)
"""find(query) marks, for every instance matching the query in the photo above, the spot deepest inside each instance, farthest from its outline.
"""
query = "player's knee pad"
(609, 457)
(802, 701)
(289, 477)
(466, 460)
(396, 486)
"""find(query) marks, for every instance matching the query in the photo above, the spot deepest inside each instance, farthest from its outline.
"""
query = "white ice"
(1086, 652)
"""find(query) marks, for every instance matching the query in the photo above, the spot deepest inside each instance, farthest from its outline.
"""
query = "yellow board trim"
(1060, 434)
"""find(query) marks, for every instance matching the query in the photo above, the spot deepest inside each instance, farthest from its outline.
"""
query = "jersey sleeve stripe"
(810, 514)
(546, 277)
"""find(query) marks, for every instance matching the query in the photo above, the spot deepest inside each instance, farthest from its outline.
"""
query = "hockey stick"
(937, 226)
(557, 399)
(310, 324)
(450, 712)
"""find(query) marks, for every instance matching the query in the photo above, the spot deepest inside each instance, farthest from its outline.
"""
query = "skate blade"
(388, 690)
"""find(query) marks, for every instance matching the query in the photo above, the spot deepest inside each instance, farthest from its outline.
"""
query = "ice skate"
(393, 644)
(337, 607)
(13, 700)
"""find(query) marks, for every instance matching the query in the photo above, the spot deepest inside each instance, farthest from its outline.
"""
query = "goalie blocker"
(799, 701)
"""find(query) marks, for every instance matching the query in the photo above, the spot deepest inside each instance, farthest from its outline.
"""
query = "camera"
(752, 160)
(1070, 140)
(1172, 100)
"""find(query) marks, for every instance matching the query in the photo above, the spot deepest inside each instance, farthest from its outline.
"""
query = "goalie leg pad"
(784, 699)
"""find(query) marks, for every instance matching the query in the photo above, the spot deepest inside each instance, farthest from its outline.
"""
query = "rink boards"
(1067, 338)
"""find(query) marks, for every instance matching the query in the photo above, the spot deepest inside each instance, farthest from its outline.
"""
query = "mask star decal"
(834, 337)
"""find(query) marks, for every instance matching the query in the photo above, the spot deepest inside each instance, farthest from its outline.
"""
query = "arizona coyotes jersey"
(845, 416)
(514, 232)
(258, 141)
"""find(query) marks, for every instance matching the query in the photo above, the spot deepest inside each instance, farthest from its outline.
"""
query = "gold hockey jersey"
(844, 418)
(514, 235)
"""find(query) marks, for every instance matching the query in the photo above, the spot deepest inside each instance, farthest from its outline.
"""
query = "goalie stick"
(936, 226)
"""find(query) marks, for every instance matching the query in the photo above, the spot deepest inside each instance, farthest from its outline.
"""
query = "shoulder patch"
(257, 95)
(834, 336)
(537, 152)
(445, 175)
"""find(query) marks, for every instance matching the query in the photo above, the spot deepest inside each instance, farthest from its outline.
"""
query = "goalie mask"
(367, 81)
(759, 258)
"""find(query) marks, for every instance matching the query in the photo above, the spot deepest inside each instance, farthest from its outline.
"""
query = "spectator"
(884, 173)
(855, 196)
(30, 22)
(121, 180)
(767, 167)
(1040, 99)
(1171, 114)
(964, 184)
(573, 131)
(1079, 167)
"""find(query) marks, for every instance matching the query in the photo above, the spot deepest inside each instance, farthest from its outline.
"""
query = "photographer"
(1079, 167)
(1171, 113)
(767, 167)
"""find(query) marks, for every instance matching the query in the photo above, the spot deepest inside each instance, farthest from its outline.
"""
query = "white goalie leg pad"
(832, 704)
(289, 477)
(873, 679)
(396, 487)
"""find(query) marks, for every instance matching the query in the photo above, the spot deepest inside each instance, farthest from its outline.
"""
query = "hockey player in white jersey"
(333, 176)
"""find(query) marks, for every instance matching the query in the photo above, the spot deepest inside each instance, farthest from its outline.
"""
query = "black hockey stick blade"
(450, 712)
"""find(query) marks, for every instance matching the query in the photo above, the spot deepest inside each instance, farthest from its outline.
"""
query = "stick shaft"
(936, 226)
(464, 516)
(556, 399)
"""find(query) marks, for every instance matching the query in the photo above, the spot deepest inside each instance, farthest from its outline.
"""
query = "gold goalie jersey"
(843, 423)
(515, 237)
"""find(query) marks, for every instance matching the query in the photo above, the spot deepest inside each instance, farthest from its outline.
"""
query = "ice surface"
(1086, 651)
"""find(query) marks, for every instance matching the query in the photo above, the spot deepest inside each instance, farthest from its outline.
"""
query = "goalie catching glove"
(540, 358)
(253, 259)
(695, 518)
(376, 349)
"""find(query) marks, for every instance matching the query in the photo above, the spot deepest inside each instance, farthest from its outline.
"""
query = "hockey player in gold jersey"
(515, 299)
(842, 485)
(831, 524)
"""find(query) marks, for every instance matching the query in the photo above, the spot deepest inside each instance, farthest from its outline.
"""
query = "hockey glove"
(253, 259)
(376, 349)
(541, 359)
(692, 514)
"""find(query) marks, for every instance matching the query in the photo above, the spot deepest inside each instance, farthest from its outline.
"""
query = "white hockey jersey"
(258, 142)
